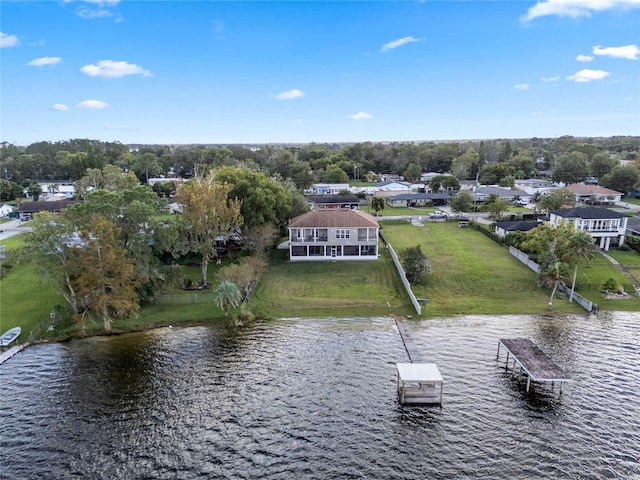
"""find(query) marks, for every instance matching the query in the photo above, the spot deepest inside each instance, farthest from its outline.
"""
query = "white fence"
(588, 305)
(403, 276)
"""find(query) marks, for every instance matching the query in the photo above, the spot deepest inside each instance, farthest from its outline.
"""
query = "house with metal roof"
(606, 226)
(333, 234)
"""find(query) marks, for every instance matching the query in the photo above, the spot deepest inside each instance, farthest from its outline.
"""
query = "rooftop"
(334, 218)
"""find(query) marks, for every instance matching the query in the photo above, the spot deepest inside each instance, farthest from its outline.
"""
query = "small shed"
(419, 384)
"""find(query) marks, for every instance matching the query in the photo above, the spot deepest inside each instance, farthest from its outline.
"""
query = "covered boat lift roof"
(538, 366)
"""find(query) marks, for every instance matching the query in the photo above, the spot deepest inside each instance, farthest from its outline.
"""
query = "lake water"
(317, 399)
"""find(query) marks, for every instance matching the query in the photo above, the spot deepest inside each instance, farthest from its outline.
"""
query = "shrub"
(610, 286)
(415, 263)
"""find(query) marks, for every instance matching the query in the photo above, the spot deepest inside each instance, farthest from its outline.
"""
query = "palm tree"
(377, 203)
(227, 295)
(552, 275)
(581, 249)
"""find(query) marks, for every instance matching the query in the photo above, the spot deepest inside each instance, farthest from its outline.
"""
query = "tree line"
(567, 159)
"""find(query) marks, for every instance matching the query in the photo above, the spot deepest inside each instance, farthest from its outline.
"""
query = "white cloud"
(584, 58)
(91, 13)
(521, 86)
(60, 107)
(588, 75)
(113, 69)
(289, 94)
(93, 104)
(360, 116)
(577, 8)
(7, 40)
(398, 43)
(39, 62)
(551, 79)
(629, 52)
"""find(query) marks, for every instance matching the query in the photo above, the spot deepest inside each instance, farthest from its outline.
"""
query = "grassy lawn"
(26, 300)
(330, 289)
(631, 261)
(473, 274)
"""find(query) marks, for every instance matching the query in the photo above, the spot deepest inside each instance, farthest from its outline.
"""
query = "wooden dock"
(9, 353)
(533, 361)
(418, 383)
(407, 339)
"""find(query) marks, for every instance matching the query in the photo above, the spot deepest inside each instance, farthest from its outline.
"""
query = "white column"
(602, 243)
(606, 243)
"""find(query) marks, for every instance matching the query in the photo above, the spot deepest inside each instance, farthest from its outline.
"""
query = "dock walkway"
(9, 353)
(419, 383)
(537, 365)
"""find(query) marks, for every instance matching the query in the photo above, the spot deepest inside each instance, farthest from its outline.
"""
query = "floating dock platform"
(533, 361)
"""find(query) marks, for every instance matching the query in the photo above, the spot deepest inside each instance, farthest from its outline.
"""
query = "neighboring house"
(327, 188)
(418, 199)
(592, 194)
(633, 225)
(535, 183)
(333, 201)
(387, 177)
(391, 185)
(333, 234)
(606, 226)
(52, 191)
(5, 210)
(27, 209)
(480, 194)
(502, 228)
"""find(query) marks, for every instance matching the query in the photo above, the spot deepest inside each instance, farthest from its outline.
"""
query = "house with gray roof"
(333, 234)
(607, 227)
(418, 199)
(502, 228)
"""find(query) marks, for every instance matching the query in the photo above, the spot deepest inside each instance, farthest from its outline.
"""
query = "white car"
(437, 214)
(521, 201)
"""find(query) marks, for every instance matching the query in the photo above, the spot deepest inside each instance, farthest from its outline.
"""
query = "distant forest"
(500, 161)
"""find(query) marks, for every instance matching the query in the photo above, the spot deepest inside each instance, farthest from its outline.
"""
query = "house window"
(351, 250)
(299, 251)
(362, 234)
(342, 233)
(316, 251)
(322, 234)
(368, 250)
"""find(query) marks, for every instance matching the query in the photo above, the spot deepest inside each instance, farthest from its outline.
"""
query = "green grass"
(26, 300)
(330, 289)
(474, 275)
(631, 261)
(471, 275)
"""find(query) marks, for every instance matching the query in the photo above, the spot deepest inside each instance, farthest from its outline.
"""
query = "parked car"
(437, 214)
(521, 201)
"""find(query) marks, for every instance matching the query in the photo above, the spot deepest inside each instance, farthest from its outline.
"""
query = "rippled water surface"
(317, 399)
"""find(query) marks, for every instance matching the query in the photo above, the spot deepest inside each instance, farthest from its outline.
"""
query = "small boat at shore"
(10, 336)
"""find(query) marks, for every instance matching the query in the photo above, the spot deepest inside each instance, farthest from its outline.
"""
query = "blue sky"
(311, 71)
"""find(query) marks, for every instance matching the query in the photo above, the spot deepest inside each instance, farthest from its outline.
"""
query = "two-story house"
(607, 227)
(333, 234)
